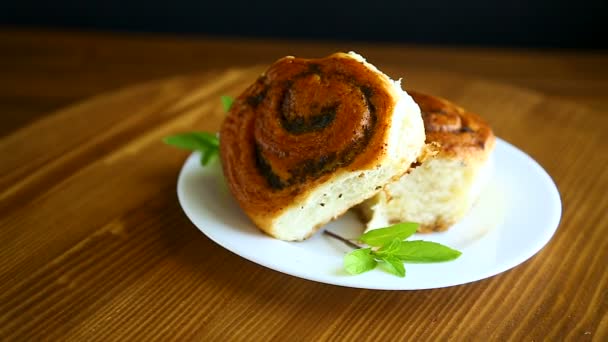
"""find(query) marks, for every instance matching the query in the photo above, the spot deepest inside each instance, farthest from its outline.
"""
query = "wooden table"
(94, 245)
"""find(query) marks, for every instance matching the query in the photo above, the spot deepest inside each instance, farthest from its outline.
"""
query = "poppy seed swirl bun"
(459, 133)
(441, 188)
(312, 138)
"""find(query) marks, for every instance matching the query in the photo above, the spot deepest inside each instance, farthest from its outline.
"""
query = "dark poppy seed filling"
(265, 169)
(296, 124)
(255, 100)
(466, 129)
(304, 107)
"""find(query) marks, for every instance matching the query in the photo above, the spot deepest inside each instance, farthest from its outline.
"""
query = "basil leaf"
(425, 251)
(359, 261)
(394, 265)
(226, 102)
(382, 236)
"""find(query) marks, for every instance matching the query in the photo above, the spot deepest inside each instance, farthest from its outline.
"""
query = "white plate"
(516, 215)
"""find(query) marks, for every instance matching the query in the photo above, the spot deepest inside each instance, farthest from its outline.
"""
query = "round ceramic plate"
(516, 215)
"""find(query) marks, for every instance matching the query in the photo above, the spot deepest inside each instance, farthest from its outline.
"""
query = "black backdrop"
(534, 23)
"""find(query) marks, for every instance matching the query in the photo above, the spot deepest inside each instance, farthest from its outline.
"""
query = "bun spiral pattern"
(302, 123)
(457, 131)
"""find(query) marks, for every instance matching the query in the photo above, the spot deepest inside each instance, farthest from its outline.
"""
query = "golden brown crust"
(301, 122)
(458, 132)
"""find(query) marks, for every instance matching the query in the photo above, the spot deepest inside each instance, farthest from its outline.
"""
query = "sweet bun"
(443, 185)
(313, 137)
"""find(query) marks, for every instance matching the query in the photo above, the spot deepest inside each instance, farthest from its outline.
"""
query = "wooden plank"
(43, 71)
(95, 246)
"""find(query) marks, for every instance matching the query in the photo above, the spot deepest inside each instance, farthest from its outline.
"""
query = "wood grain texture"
(44, 71)
(95, 246)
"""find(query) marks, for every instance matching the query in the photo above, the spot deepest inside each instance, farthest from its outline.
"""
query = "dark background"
(535, 23)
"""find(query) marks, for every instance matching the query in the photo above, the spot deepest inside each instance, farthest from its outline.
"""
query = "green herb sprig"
(207, 144)
(227, 102)
(388, 248)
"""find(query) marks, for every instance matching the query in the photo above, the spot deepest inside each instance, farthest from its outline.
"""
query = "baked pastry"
(442, 186)
(311, 138)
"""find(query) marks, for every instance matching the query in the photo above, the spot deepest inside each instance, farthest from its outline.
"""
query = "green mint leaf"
(359, 261)
(194, 141)
(207, 156)
(393, 265)
(227, 102)
(382, 236)
(389, 249)
(425, 251)
(206, 143)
